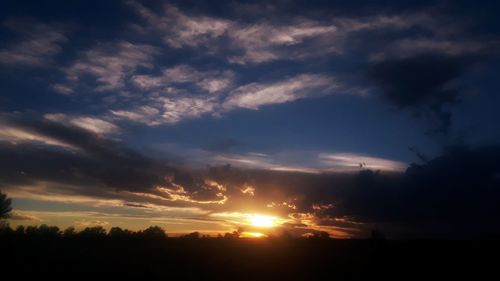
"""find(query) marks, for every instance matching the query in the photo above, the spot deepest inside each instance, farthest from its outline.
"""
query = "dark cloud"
(136, 205)
(454, 194)
(84, 158)
(106, 161)
(422, 84)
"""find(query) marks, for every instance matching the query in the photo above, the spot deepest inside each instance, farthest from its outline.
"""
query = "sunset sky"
(209, 116)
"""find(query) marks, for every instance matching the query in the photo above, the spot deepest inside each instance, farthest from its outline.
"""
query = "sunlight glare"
(252, 235)
(262, 221)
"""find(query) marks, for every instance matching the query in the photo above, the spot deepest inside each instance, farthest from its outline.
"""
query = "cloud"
(168, 110)
(453, 194)
(350, 162)
(143, 114)
(15, 134)
(310, 162)
(255, 95)
(89, 164)
(185, 105)
(90, 223)
(91, 124)
(211, 81)
(261, 161)
(62, 89)
(409, 47)
(140, 90)
(21, 216)
(110, 64)
(264, 40)
(180, 30)
(37, 45)
(409, 84)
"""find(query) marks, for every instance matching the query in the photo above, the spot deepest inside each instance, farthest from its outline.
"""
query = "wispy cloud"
(211, 81)
(168, 110)
(264, 40)
(354, 162)
(110, 64)
(254, 95)
(38, 43)
(179, 29)
(92, 124)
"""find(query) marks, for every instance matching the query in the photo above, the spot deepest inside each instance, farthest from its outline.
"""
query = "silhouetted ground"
(248, 259)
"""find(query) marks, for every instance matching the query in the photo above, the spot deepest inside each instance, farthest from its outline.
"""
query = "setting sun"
(262, 221)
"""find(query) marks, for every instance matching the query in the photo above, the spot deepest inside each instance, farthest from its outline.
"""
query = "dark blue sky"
(305, 86)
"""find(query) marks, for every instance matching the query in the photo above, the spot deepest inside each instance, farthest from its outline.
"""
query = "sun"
(262, 221)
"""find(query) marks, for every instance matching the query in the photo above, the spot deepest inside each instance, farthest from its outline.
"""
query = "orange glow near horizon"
(252, 235)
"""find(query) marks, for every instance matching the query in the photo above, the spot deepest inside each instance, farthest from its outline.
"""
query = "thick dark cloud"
(96, 158)
(86, 159)
(422, 84)
(455, 194)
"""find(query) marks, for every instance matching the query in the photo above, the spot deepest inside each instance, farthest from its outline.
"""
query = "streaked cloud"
(317, 162)
(179, 29)
(90, 223)
(110, 64)
(254, 95)
(168, 110)
(211, 81)
(351, 161)
(37, 45)
(15, 134)
(92, 124)
(264, 40)
(21, 216)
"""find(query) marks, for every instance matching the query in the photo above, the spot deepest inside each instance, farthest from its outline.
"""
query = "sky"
(268, 116)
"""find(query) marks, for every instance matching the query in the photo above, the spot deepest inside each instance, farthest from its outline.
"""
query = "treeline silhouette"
(152, 232)
(94, 253)
(46, 231)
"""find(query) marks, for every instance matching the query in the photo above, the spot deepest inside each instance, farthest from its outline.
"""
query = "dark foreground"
(248, 259)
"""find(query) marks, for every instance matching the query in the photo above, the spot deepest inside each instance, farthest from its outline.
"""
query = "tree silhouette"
(118, 232)
(153, 232)
(93, 232)
(5, 206)
(43, 231)
(69, 232)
